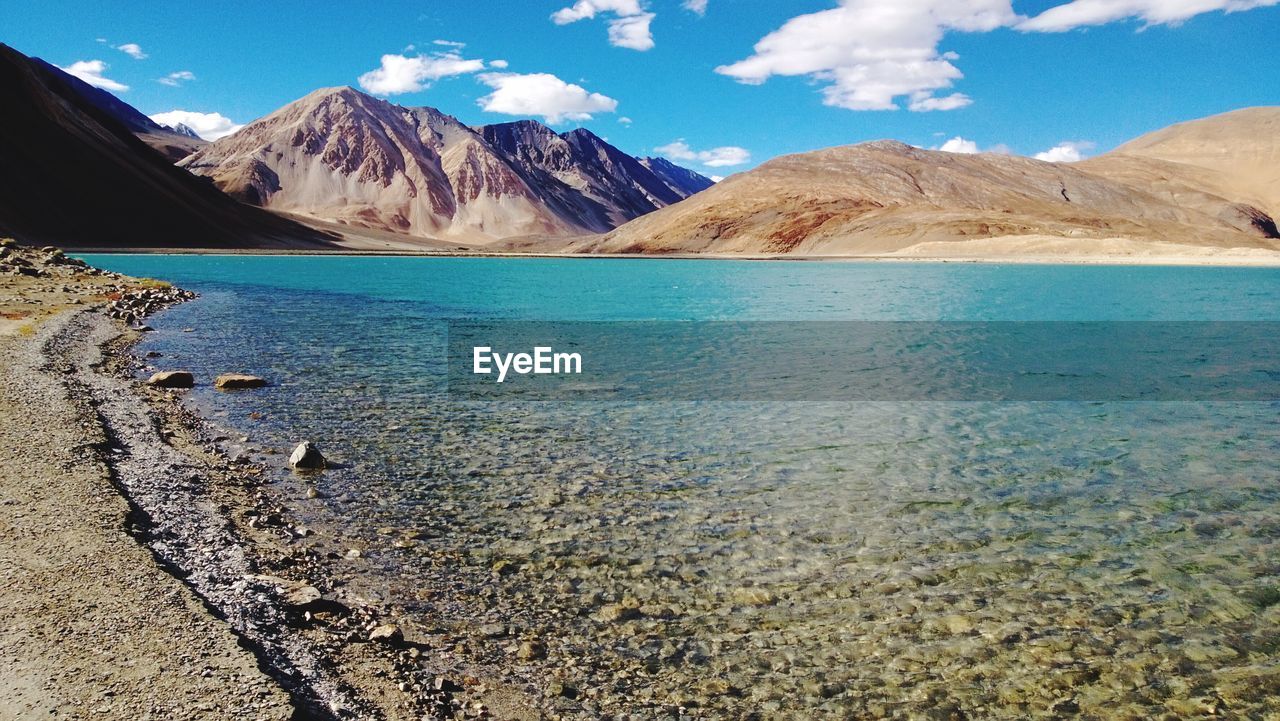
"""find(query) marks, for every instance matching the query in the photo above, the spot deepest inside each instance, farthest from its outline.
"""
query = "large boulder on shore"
(172, 379)
(306, 457)
(238, 381)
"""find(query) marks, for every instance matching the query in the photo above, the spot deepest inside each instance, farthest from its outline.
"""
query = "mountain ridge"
(340, 155)
(886, 197)
(169, 142)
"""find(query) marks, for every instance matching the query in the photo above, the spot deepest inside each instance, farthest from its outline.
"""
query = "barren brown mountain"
(1210, 184)
(1234, 156)
(340, 155)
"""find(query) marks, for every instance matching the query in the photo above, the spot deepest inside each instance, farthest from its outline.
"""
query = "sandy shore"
(143, 574)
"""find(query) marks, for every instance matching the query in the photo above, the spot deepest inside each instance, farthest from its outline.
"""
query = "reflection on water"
(783, 560)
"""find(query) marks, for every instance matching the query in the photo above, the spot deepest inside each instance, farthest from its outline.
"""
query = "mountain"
(73, 173)
(681, 180)
(577, 166)
(1189, 185)
(172, 143)
(340, 155)
(185, 130)
(1235, 155)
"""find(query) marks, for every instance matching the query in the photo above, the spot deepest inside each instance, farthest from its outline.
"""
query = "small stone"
(306, 457)
(715, 687)
(353, 553)
(1201, 652)
(446, 685)
(615, 612)
(530, 650)
(302, 596)
(238, 381)
(754, 597)
(387, 633)
(957, 625)
(172, 379)
(493, 630)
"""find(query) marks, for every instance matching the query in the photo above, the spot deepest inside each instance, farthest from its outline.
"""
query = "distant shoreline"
(1227, 260)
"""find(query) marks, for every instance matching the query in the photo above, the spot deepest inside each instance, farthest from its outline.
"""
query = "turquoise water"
(767, 560)
(624, 289)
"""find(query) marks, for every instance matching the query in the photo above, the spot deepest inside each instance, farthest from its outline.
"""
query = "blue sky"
(722, 84)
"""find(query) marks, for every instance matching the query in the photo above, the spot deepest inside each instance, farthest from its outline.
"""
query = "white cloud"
(924, 102)
(1066, 152)
(448, 43)
(542, 94)
(1081, 13)
(873, 54)
(175, 79)
(960, 145)
(629, 27)
(209, 126)
(587, 9)
(133, 50)
(721, 157)
(498, 64)
(696, 6)
(963, 146)
(91, 72)
(624, 120)
(870, 53)
(632, 32)
(402, 74)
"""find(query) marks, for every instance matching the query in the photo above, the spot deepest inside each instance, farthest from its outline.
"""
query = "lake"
(766, 559)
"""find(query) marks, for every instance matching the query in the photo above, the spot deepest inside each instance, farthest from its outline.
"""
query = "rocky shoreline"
(214, 521)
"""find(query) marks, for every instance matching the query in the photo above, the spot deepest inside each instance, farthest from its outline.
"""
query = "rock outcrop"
(306, 457)
(172, 379)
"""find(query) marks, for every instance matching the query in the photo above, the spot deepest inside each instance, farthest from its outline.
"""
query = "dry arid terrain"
(1198, 190)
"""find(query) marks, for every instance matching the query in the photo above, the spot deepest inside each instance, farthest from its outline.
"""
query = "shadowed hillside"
(72, 174)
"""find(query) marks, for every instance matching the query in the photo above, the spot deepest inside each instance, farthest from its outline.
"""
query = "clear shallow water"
(782, 560)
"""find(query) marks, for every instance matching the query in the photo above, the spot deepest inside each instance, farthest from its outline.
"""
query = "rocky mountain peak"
(339, 154)
(184, 129)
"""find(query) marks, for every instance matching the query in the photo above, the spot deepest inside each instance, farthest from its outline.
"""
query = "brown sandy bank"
(145, 575)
